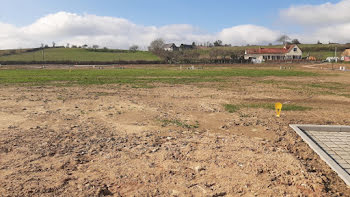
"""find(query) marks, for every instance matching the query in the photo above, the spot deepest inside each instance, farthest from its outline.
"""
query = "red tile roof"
(283, 50)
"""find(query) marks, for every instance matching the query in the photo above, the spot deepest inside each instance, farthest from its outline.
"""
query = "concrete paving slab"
(331, 143)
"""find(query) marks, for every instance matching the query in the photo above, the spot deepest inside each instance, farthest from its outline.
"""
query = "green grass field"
(80, 55)
(137, 77)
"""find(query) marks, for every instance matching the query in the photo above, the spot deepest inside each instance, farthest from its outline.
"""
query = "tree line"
(215, 55)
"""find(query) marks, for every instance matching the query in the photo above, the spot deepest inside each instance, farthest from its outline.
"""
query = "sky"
(122, 23)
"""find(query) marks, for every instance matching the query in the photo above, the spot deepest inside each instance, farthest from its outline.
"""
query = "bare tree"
(133, 48)
(53, 44)
(224, 53)
(156, 46)
(295, 41)
(95, 46)
(214, 53)
(168, 56)
(283, 39)
(189, 56)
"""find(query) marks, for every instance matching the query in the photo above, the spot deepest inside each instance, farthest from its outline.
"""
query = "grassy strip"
(178, 123)
(345, 95)
(321, 88)
(232, 108)
(327, 85)
(286, 107)
(134, 76)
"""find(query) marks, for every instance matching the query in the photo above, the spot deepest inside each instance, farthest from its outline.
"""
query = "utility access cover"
(331, 143)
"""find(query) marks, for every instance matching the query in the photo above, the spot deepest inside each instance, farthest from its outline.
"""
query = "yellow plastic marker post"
(278, 107)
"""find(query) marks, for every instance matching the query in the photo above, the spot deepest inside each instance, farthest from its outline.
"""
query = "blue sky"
(122, 23)
(209, 15)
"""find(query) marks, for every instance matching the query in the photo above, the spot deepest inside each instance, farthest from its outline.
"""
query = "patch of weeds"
(231, 108)
(142, 86)
(327, 85)
(292, 107)
(166, 122)
(288, 88)
(269, 82)
(286, 107)
(102, 94)
(259, 105)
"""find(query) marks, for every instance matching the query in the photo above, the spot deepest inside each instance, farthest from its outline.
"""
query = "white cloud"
(248, 34)
(337, 33)
(63, 27)
(318, 15)
(325, 22)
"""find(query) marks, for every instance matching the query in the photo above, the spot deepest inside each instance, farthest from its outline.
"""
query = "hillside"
(78, 55)
(320, 51)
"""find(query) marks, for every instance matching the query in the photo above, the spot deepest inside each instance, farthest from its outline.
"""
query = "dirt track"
(173, 140)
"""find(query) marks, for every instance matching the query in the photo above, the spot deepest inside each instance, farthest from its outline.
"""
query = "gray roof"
(169, 45)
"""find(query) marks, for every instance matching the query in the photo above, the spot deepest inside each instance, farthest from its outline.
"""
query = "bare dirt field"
(169, 140)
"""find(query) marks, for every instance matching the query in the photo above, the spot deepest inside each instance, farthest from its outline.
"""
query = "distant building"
(186, 47)
(173, 47)
(170, 47)
(288, 52)
(346, 55)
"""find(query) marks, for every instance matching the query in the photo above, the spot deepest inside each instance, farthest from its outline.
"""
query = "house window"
(295, 49)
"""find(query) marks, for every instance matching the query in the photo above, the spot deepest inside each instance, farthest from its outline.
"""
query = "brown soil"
(172, 140)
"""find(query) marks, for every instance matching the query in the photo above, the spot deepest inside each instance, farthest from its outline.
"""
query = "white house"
(288, 52)
(170, 47)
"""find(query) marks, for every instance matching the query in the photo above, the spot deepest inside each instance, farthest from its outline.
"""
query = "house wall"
(272, 56)
(253, 56)
(298, 52)
(288, 56)
(168, 49)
